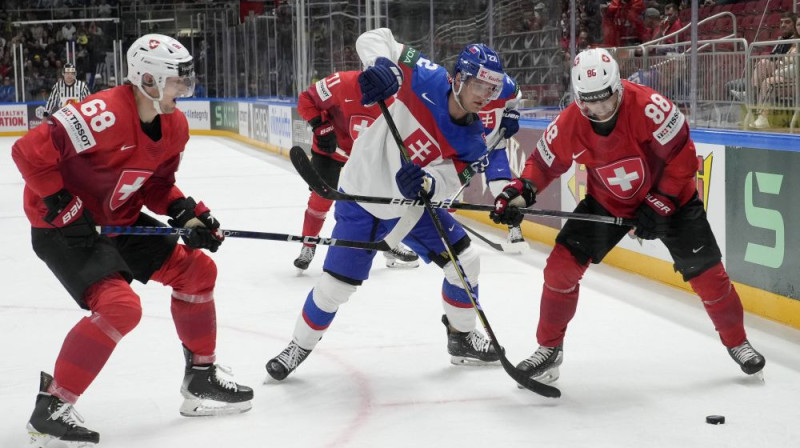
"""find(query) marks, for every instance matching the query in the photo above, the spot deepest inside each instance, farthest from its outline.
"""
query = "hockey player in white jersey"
(437, 116)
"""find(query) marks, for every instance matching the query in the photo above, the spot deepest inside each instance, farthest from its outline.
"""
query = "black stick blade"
(303, 166)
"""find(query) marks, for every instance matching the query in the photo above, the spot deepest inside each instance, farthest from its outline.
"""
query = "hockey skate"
(401, 257)
(750, 361)
(516, 242)
(472, 348)
(53, 422)
(543, 364)
(209, 390)
(282, 365)
(515, 235)
(306, 255)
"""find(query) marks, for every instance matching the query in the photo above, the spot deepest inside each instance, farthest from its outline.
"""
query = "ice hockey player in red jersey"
(98, 162)
(333, 109)
(641, 164)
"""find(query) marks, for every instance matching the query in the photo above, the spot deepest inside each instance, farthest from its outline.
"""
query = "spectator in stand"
(766, 67)
(652, 23)
(583, 42)
(68, 31)
(785, 70)
(7, 91)
(669, 23)
(622, 22)
(103, 9)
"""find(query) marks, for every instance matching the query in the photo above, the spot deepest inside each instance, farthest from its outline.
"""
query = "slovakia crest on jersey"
(130, 181)
(488, 119)
(624, 177)
(422, 149)
(358, 124)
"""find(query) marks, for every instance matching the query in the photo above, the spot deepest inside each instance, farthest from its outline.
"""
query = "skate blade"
(42, 440)
(548, 377)
(759, 375)
(397, 264)
(466, 361)
(207, 408)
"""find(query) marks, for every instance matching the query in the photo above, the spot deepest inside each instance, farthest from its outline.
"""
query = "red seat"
(738, 9)
(745, 23)
(758, 7)
(772, 20)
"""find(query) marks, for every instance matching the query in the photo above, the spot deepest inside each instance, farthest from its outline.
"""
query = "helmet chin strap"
(156, 101)
(457, 92)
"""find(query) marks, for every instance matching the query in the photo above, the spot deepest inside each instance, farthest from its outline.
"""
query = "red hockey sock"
(562, 275)
(192, 275)
(722, 304)
(116, 310)
(315, 214)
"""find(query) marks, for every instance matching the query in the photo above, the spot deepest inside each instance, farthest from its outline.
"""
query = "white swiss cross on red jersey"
(624, 177)
(358, 124)
(421, 148)
(130, 181)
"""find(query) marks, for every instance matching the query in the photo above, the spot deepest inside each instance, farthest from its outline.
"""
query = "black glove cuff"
(57, 201)
(528, 192)
(315, 122)
(181, 211)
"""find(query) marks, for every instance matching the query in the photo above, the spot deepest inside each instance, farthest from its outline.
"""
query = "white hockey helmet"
(595, 77)
(162, 57)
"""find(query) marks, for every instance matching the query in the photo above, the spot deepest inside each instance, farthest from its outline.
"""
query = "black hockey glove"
(654, 215)
(324, 135)
(519, 193)
(187, 213)
(68, 215)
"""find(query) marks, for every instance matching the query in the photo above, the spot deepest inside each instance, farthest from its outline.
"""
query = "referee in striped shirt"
(66, 90)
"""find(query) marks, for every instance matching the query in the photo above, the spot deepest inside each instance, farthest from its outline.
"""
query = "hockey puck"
(715, 419)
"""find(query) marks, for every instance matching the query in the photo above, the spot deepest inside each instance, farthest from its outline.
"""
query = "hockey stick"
(156, 231)
(496, 246)
(303, 166)
(519, 376)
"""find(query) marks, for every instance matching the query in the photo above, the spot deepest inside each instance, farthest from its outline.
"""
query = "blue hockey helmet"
(482, 62)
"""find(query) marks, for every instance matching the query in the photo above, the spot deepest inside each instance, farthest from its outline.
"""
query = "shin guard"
(562, 275)
(116, 310)
(192, 275)
(722, 303)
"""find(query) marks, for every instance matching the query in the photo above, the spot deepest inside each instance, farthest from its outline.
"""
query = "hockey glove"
(380, 81)
(653, 216)
(510, 122)
(187, 213)
(324, 135)
(519, 193)
(68, 215)
(413, 182)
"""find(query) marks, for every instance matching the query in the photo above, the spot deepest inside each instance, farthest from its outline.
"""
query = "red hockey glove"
(654, 215)
(187, 213)
(519, 193)
(68, 215)
(324, 135)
